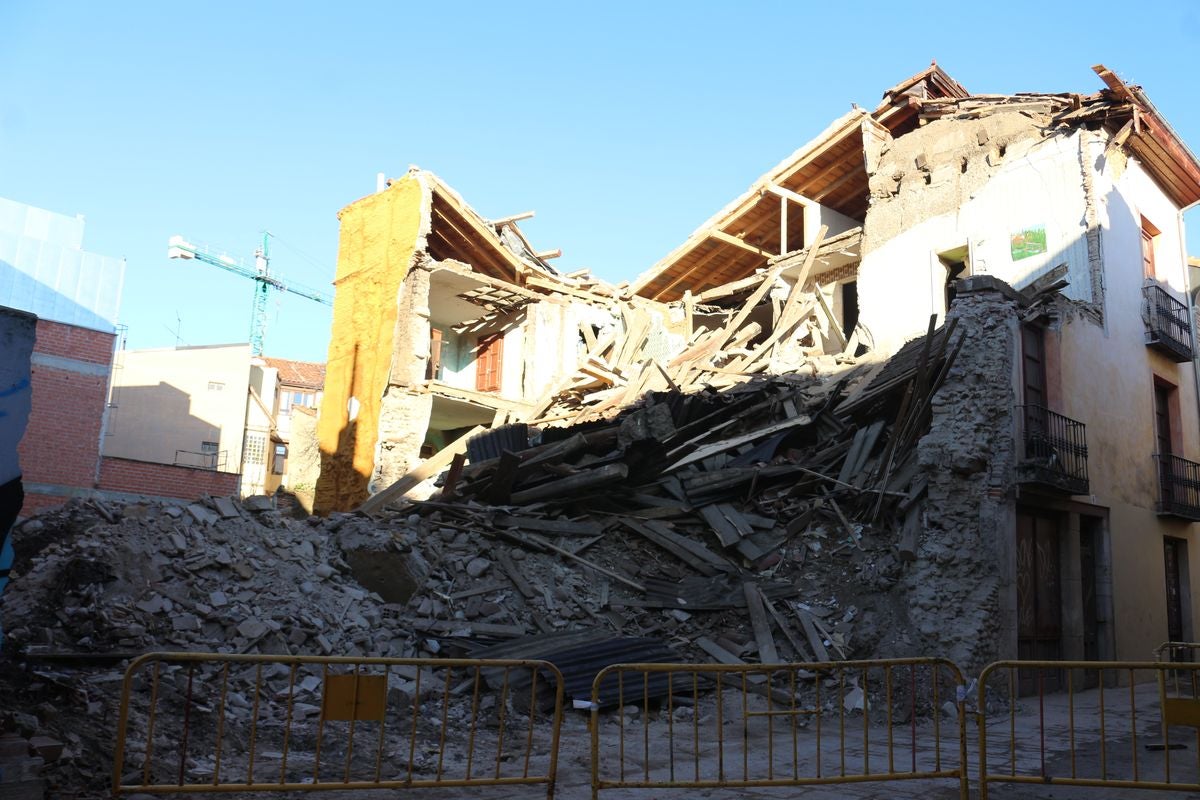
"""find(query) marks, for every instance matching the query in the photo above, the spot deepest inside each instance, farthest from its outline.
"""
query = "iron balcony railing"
(1167, 326)
(1052, 450)
(190, 458)
(1178, 486)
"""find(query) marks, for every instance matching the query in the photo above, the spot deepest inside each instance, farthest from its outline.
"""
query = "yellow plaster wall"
(380, 236)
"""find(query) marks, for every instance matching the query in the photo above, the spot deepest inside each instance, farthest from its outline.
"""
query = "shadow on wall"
(340, 486)
(25, 291)
(155, 423)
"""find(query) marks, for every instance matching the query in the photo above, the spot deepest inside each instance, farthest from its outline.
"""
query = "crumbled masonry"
(794, 516)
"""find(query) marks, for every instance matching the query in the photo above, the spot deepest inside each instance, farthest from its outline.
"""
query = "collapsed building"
(1042, 508)
(854, 415)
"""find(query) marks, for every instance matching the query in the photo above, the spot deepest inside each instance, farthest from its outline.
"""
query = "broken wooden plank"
(767, 654)
(463, 627)
(588, 479)
(835, 326)
(735, 441)
(687, 550)
(567, 527)
(514, 575)
(802, 651)
(632, 584)
(476, 590)
(499, 491)
(810, 630)
(726, 532)
(422, 472)
(450, 487)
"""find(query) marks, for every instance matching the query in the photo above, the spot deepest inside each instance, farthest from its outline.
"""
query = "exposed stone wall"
(960, 584)
(935, 169)
(405, 408)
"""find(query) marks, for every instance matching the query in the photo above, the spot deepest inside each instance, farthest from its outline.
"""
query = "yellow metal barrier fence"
(1088, 723)
(688, 726)
(201, 722)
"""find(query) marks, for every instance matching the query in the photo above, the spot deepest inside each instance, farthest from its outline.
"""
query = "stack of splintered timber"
(629, 361)
(718, 484)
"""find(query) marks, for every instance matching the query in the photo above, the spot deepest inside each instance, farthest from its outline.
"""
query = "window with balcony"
(1178, 478)
(1168, 329)
(1051, 448)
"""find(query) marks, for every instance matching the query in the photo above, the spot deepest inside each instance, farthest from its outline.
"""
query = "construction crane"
(178, 247)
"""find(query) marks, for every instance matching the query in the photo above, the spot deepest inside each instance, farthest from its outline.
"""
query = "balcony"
(202, 460)
(1167, 326)
(1178, 487)
(1051, 451)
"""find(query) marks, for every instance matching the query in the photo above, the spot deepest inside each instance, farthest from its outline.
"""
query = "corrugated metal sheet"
(580, 655)
(490, 444)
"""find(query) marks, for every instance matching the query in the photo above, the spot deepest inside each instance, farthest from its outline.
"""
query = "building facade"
(76, 296)
(1043, 232)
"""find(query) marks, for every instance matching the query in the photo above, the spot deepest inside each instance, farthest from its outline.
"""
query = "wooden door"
(1148, 233)
(1173, 550)
(1039, 596)
(1033, 367)
(1162, 439)
(1162, 418)
(488, 362)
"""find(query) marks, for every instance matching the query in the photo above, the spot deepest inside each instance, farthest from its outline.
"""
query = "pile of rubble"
(764, 523)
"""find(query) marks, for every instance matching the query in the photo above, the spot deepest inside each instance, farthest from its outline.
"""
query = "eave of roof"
(1155, 143)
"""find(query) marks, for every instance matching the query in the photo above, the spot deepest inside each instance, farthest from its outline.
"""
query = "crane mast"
(264, 281)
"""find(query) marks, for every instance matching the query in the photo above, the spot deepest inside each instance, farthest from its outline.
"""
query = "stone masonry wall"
(405, 408)
(958, 585)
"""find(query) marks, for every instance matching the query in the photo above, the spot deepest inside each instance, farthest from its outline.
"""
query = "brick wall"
(166, 480)
(70, 341)
(62, 441)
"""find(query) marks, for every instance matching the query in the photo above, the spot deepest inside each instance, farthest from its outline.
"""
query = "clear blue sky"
(625, 125)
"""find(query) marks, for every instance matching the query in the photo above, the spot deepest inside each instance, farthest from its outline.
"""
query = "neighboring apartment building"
(76, 295)
(213, 407)
(1063, 459)
(1080, 498)
(442, 321)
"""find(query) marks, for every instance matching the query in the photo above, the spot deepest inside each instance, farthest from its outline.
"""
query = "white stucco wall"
(901, 282)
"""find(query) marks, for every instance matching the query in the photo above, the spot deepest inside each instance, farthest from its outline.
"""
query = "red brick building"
(76, 296)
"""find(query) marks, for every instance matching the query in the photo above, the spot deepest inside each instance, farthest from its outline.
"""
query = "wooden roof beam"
(729, 238)
(779, 191)
(687, 273)
(511, 219)
(479, 258)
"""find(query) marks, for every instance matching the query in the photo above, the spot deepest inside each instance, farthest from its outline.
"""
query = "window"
(255, 451)
(488, 360)
(290, 398)
(209, 447)
(957, 263)
(216, 386)
(1149, 233)
(433, 368)
(279, 462)
(1033, 365)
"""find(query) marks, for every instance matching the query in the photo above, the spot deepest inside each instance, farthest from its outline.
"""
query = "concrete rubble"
(791, 544)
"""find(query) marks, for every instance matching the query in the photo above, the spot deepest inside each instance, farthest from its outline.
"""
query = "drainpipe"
(1187, 284)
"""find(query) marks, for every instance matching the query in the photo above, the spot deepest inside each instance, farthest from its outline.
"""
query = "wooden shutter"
(1033, 367)
(1162, 418)
(488, 362)
(1148, 234)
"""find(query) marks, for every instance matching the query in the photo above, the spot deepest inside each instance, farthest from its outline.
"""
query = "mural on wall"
(1028, 242)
